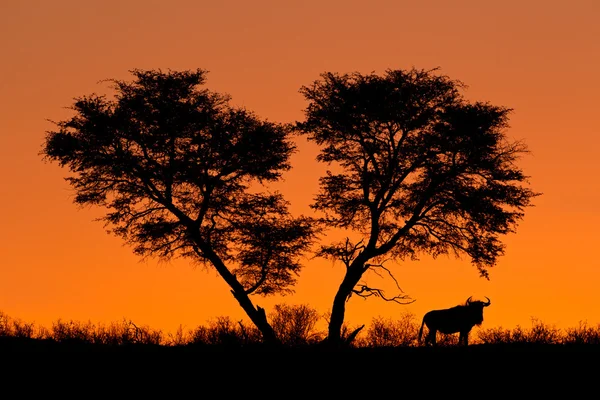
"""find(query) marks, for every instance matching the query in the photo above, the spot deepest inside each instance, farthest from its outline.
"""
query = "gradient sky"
(541, 58)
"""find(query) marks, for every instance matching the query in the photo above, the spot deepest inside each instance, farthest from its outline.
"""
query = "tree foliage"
(416, 169)
(180, 172)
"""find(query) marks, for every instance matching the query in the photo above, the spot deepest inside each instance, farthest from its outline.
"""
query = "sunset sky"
(540, 58)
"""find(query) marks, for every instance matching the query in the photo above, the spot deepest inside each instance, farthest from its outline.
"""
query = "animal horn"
(488, 302)
(469, 300)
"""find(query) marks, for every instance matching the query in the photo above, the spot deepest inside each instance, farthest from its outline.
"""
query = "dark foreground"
(48, 346)
(510, 370)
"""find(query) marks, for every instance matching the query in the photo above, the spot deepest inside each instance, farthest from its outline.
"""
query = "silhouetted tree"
(417, 169)
(179, 171)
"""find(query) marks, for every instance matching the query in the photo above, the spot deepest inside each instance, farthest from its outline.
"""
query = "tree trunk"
(256, 314)
(338, 310)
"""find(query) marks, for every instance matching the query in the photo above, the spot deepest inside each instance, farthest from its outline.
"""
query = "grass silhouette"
(295, 325)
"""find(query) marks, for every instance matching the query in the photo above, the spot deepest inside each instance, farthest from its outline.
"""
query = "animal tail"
(420, 332)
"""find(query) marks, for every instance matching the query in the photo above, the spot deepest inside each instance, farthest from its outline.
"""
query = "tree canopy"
(416, 169)
(180, 172)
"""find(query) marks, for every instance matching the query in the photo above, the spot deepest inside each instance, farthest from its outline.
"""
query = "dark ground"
(505, 371)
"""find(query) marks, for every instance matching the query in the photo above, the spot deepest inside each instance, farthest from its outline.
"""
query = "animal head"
(476, 309)
(478, 304)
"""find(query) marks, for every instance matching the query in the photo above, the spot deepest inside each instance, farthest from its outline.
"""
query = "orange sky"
(541, 58)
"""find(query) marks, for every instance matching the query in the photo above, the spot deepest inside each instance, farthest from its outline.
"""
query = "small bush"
(295, 325)
(392, 333)
(222, 331)
(582, 334)
(539, 333)
(72, 331)
(22, 329)
(495, 336)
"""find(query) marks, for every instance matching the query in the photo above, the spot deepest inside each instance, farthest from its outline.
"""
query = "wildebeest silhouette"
(461, 319)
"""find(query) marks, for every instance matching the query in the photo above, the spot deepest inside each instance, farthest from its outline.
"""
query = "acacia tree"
(418, 170)
(178, 170)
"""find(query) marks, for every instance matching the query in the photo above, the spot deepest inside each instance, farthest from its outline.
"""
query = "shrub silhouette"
(582, 334)
(392, 333)
(539, 333)
(223, 331)
(295, 326)
(73, 331)
(12, 327)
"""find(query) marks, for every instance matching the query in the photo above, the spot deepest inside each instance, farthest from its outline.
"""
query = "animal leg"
(431, 336)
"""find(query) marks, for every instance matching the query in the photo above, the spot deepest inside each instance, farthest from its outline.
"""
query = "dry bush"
(542, 333)
(114, 334)
(495, 336)
(295, 325)
(6, 328)
(503, 336)
(539, 333)
(392, 333)
(12, 327)
(179, 338)
(72, 331)
(126, 333)
(23, 329)
(583, 334)
(223, 331)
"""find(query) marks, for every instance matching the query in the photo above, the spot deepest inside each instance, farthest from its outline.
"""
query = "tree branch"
(365, 291)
